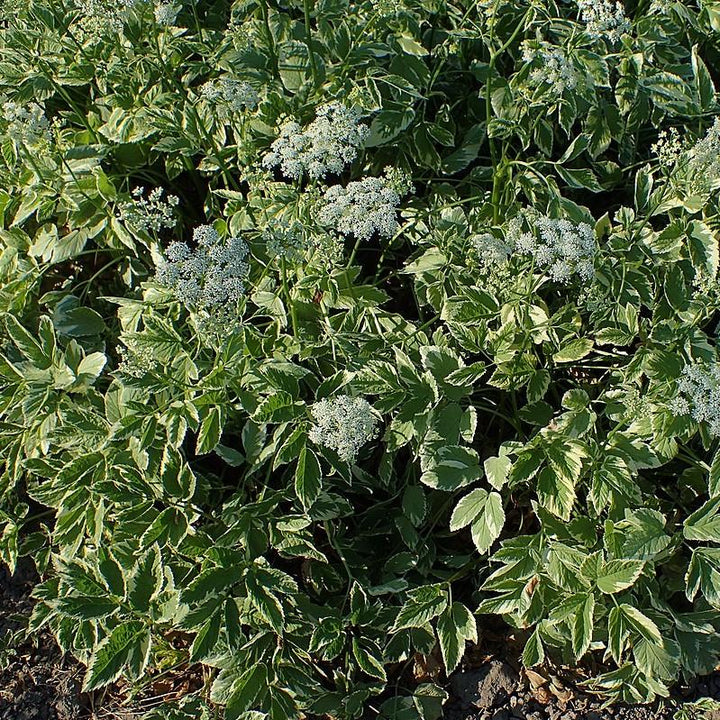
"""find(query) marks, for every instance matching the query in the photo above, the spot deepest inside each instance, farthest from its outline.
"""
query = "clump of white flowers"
(490, 251)
(166, 12)
(668, 147)
(230, 94)
(365, 206)
(325, 146)
(552, 70)
(344, 424)
(209, 278)
(151, 213)
(26, 124)
(102, 17)
(604, 19)
(136, 358)
(693, 170)
(559, 247)
(704, 159)
(699, 388)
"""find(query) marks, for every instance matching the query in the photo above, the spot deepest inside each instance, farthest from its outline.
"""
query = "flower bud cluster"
(230, 94)
(699, 395)
(604, 19)
(210, 277)
(552, 69)
(325, 146)
(343, 424)
(151, 213)
(559, 247)
(362, 208)
(26, 124)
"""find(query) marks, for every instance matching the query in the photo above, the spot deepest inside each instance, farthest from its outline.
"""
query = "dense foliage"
(331, 329)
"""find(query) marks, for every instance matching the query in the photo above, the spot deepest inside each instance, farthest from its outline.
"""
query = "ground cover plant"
(332, 330)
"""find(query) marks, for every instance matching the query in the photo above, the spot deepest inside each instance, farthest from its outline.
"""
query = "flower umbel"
(151, 213)
(26, 124)
(560, 248)
(551, 67)
(362, 208)
(325, 146)
(699, 395)
(604, 19)
(210, 277)
(344, 424)
(230, 94)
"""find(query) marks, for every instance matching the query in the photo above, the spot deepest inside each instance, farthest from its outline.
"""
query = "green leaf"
(657, 660)
(452, 644)
(422, 605)
(714, 476)
(87, 607)
(452, 467)
(641, 624)
(110, 656)
(703, 81)
(210, 432)
(533, 652)
(308, 477)
(582, 626)
(414, 504)
(573, 350)
(580, 178)
(618, 575)
(468, 509)
(207, 638)
(146, 580)
(704, 523)
(497, 469)
(369, 658)
(246, 691)
(410, 45)
(486, 528)
(74, 321)
(266, 603)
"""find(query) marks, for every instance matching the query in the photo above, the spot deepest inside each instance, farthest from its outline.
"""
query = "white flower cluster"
(136, 358)
(151, 213)
(102, 17)
(344, 424)
(490, 251)
(26, 124)
(210, 278)
(553, 71)
(604, 19)
(230, 94)
(362, 208)
(325, 146)
(559, 247)
(704, 159)
(166, 12)
(699, 389)
(668, 147)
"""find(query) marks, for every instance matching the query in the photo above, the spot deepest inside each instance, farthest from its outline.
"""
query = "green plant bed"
(330, 330)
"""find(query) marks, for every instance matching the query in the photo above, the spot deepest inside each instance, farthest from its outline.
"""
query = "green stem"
(308, 42)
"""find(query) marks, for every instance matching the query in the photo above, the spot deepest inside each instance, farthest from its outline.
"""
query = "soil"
(38, 683)
(497, 691)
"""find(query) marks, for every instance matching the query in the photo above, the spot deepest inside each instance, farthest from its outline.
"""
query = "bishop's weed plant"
(331, 330)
